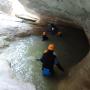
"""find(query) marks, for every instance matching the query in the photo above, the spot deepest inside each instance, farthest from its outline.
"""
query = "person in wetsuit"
(52, 29)
(44, 36)
(49, 60)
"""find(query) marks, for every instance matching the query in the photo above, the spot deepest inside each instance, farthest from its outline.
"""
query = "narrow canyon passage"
(22, 54)
(22, 23)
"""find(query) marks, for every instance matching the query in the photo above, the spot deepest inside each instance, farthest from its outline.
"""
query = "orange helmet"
(51, 47)
(59, 33)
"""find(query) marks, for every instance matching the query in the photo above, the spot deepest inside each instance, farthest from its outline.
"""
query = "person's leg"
(47, 72)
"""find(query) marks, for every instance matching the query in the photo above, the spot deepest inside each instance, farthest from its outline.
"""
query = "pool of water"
(22, 56)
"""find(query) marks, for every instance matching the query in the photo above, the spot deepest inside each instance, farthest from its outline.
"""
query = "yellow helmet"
(51, 47)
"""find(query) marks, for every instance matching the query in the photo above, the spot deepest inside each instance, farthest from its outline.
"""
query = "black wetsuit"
(52, 29)
(44, 37)
(49, 60)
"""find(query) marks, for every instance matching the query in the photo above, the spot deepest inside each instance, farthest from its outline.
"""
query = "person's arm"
(58, 65)
(41, 59)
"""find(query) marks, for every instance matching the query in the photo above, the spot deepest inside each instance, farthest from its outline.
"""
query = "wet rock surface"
(11, 26)
(78, 77)
(6, 6)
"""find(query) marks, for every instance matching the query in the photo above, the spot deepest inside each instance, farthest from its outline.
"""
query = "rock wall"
(5, 6)
(77, 11)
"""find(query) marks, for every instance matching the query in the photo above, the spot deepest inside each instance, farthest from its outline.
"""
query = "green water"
(22, 55)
